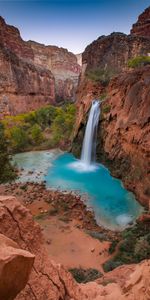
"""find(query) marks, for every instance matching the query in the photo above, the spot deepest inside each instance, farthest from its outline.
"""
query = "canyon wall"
(114, 51)
(142, 26)
(23, 86)
(22, 244)
(33, 75)
(63, 64)
(124, 131)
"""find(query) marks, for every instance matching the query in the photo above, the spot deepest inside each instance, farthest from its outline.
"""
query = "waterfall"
(89, 143)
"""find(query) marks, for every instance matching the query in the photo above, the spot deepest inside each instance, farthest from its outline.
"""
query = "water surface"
(114, 206)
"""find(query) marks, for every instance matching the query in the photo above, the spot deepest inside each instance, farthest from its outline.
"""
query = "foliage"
(101, 75)
(112, 247)
(106, 109)
(135, 246)
(138, 61)
(47, 127)
(36, 134)
(7, 171)
(81, 275)
(19, 138)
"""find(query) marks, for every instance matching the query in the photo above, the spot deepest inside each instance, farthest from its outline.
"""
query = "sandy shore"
(67, 225)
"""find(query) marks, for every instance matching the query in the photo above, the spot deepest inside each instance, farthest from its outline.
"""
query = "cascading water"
(89, 143)
(88, 154)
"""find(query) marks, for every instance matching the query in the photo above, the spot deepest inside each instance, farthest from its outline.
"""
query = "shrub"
(7, 171)
(112, 247)
(110, 265)
(43, 129)
(19, 138)
(101, 75)
(106, 109)
(81, 275)
(138, 61)
(36, 134)
(135, 247)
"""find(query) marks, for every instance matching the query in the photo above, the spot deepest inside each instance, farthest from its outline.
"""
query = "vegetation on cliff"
(45, 128)
(7, 172)
(135, 247)
(101, 75)
(138, 61)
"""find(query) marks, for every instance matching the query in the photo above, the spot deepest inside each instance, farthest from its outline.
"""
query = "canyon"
(33, 75)
(124, 130)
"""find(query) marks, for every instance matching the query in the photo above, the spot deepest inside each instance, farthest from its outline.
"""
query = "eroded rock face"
(142, 26)
(23, 86)
(124, 130)
(11, 39)
(33, 75)
(124, 133)
(49, 281)
(15, 267)
(114, 51)
(63, 64)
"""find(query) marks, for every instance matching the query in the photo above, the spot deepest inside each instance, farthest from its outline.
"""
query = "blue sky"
(71, 24)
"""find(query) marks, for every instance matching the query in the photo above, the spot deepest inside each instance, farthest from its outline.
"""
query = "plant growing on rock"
(101, 75)
(138, 61)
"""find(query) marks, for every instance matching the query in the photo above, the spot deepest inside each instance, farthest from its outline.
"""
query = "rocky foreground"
(51, 281)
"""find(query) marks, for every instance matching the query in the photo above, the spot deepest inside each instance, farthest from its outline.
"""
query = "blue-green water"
(113, 205)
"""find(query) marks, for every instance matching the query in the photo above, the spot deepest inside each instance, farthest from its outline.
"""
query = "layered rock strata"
(142, 26)
(113, 52)
(63, 64)
(33, 75)
(23, 86)
(124, 130)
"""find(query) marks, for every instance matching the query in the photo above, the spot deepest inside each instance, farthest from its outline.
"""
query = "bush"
(84, 276)
(110, 265)
(36, 134)
(138, 61)
(7, 171)
(134, 247)
(19, 138)
(45, 128)
(106, 109)
(101, 75)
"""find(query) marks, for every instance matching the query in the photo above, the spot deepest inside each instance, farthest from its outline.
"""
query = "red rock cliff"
(33, 75)
(63, 64)
(114, 51)
(11, 39)
(124, 131)
(23, 86)
(142, 26)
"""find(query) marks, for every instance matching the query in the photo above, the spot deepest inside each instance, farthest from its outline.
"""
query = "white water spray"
(88, 154)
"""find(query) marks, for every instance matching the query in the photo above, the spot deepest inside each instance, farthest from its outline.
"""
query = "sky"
(72, 24)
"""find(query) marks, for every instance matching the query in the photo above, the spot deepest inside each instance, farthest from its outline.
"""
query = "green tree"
(19, 138)
(36, 134)
(7, 171)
